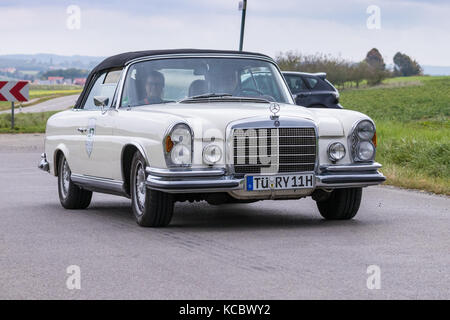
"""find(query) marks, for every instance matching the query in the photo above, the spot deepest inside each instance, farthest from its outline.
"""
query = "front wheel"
(70, 195)
(342, 204)
(151, 208)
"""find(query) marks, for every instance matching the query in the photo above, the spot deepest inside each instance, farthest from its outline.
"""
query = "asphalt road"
(267, 250)
(56, 104)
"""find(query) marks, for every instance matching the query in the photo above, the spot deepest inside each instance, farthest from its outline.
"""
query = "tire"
(343, 204)
(151, 208)
(70, 195)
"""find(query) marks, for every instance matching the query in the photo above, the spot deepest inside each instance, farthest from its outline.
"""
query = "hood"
(220, 114)
(217, 115)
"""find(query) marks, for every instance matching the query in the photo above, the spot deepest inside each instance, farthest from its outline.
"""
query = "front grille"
(279, 150)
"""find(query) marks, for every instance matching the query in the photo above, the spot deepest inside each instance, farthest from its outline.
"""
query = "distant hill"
(44, 61)
(436, 70)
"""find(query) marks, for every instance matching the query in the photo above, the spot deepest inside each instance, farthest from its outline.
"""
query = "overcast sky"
(418, 28)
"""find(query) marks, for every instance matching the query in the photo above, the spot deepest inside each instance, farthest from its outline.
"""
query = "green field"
(25, 122)
(413, 129)
(42, 93)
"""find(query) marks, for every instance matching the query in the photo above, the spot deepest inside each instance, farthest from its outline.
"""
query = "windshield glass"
(175, 79)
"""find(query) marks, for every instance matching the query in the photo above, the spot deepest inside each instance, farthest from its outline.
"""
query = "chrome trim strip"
(99, 184)
(120, 87)
(185, 173)
(201, 55)
(349, 180)
(349, 168)
(193, 186)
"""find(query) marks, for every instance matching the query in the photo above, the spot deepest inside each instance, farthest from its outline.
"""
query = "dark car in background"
(312, 90)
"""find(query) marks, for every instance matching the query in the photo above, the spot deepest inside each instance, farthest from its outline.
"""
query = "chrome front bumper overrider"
(43, 164)
(191, 180)
(348, 176)
(216, 180)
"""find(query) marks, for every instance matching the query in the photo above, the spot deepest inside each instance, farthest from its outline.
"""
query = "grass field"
(413, 128)
(25, 122)
(41, 93)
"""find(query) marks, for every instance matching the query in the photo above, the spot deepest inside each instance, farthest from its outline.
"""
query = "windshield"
(175, 79)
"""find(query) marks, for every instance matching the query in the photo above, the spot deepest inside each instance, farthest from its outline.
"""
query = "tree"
(359, 72)
(375, 59)
(377, 66)
(339, 71)
(405, 66)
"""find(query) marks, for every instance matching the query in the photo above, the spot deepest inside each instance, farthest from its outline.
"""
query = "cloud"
(417, 28)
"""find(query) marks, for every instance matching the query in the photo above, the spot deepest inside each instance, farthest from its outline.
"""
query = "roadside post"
(14, 91)
(243, 8)
(12, 114)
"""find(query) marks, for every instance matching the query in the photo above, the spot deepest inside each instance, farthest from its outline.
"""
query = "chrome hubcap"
(65, 178)
(140, 186)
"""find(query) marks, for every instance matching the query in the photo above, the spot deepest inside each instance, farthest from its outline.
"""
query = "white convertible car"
(192, 125)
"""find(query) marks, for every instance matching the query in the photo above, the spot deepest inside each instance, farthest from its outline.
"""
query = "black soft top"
(120, 60)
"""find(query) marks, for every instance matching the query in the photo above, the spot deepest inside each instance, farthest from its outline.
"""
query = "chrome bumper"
(347, 176)
(216, 180)
(43, 164)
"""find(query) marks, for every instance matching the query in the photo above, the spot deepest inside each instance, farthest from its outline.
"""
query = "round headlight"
(365, 151)
(365, 130)
(181, 134)
(180, 155)
(212, 154)
(336, 151)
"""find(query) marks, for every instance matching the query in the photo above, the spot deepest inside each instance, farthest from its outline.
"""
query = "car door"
(99, 126)
(322, 94)
(299, 89)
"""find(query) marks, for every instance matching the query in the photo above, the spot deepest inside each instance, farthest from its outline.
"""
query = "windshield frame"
(121, 83)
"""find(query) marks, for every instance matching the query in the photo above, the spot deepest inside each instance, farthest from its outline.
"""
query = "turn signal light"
(374, 139)
(169, 144)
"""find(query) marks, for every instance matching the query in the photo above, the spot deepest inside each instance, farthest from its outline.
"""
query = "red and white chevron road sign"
(14, 91)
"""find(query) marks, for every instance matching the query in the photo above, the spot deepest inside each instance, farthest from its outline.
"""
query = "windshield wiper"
(206, 96)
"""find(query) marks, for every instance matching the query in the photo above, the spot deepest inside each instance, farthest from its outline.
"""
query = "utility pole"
(243, 7)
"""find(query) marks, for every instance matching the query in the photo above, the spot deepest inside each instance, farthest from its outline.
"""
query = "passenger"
(154, 86)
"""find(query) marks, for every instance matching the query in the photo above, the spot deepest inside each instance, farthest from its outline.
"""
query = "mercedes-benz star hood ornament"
(275, 108)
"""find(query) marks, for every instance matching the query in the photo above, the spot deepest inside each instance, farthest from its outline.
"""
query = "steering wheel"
(261, 94)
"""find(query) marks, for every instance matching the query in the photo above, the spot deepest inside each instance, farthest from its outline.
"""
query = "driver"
(154, 86)
(227, 82)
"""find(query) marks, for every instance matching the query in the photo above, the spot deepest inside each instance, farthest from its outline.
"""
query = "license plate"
(280, 182)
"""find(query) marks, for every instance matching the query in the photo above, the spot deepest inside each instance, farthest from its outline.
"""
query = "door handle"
(82, 130)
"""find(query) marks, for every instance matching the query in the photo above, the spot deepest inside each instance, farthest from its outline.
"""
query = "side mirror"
(101, 101)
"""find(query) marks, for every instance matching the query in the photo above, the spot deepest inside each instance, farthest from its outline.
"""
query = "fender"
(60, 147)
(140, 149)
